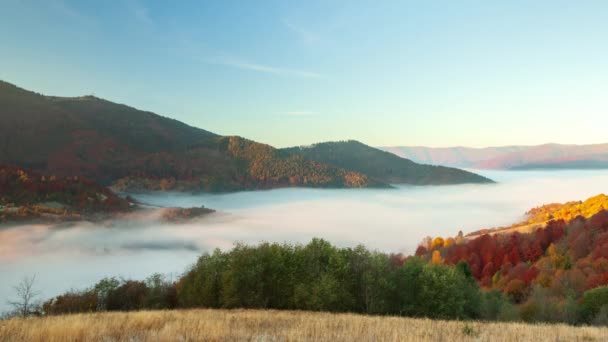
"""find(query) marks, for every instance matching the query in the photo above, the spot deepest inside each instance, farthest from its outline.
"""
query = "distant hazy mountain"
(552, 156)
(582, 164)
(381, 165)
(130, 149)
(548, 156)
(451, 156)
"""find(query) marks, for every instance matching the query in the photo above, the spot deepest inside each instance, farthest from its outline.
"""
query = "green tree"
(161, 293)
(202, 285)
(569, 311)
(441, 292)
(592, 303)
(258, 277)
(318, 286)
(470, 289)
(409, 287)
(103, 288)
(492, 303)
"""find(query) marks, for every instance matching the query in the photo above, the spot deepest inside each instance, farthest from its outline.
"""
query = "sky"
(432, 73)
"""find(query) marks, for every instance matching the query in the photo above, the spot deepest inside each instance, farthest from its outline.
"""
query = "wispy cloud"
(304, 34)
(280, 71)
(298, 113)
(209, 55)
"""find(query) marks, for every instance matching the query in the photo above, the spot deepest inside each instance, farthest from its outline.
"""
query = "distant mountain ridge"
(114, 144)
(547, 156)
(381, 165)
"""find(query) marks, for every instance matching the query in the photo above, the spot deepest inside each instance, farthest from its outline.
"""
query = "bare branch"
(26, 295)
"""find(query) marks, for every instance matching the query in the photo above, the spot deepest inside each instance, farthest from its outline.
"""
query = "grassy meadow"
(270, 325)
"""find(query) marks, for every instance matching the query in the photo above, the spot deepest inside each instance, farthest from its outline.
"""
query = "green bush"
(492, 304)
(592, 303)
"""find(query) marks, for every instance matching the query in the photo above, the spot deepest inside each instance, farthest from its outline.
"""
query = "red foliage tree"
(421, 250)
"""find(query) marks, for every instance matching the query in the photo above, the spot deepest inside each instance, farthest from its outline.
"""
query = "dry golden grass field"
(257, 325)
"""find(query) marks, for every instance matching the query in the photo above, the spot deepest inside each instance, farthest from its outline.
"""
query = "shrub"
(71, 302)
(592, 303)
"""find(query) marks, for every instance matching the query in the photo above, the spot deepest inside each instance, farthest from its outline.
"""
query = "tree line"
(321, 277)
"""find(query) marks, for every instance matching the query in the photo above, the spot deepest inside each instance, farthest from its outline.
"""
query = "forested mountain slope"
(27, 195)
(118, 145)
(383, 166)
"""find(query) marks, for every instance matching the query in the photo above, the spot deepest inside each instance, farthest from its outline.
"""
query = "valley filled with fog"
(78, 255)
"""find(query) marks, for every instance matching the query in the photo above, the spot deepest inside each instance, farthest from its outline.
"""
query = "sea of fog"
(394, 220)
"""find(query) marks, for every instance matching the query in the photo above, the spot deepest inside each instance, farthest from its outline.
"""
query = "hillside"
(538, 217)
(256, 325)
(383, 166)
(27, 195)
(547, 272)
(547, 156)
(136, 150)
(247, 165)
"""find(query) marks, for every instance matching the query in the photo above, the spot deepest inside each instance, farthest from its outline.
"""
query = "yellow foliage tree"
(551, 250)
(436, 258)
(437, 242)
(448, 242)
(559, 260)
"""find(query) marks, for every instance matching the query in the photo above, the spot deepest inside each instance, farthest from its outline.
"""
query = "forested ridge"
(383, 166)
(118, 145)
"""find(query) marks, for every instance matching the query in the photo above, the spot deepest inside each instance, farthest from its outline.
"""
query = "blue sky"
(435, 73)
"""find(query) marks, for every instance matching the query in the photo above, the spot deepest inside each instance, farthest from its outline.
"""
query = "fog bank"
(78, 255)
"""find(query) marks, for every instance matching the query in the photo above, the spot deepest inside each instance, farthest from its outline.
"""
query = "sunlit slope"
(539, 216)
